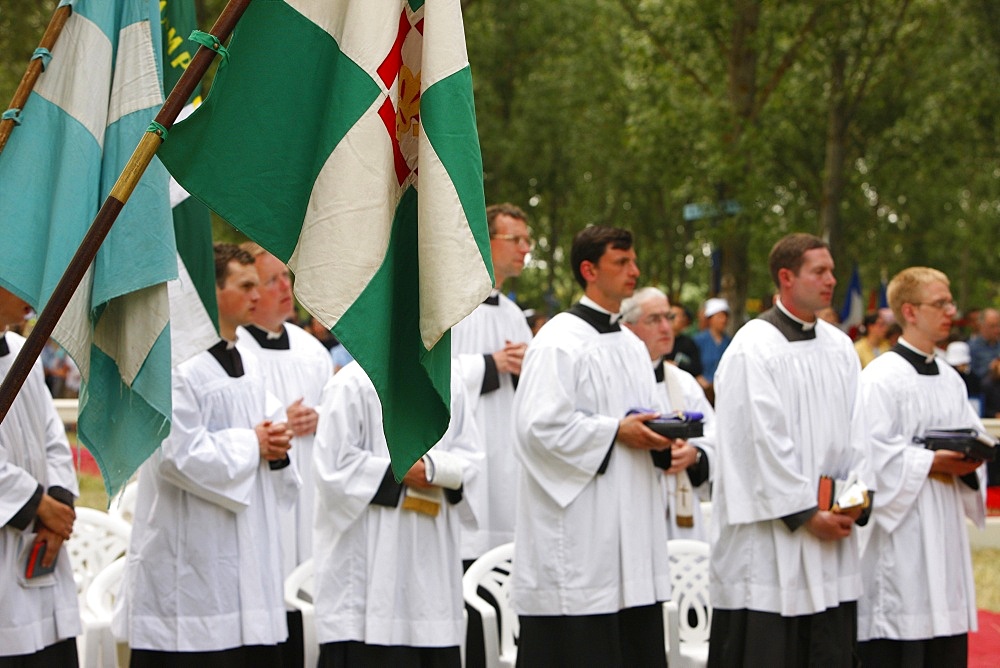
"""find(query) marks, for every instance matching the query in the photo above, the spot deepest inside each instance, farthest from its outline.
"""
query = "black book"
(970, 442)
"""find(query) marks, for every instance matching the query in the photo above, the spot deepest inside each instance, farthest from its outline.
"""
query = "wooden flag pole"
(35, 68)
(112, 206)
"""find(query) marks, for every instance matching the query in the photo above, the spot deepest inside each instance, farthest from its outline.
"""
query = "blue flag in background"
(78, 129)
(853, 312)
(883, 298)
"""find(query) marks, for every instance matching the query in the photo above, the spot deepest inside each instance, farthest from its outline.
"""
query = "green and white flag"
(341, 136)
(194, 311)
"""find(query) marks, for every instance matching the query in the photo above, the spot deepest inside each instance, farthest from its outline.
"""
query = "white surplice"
(787, 412)
(385, 575)
(483, 332)
(33, 452)
(692, 399)
(916, 562)
(204, 571)
(586, 543)
(300, 372)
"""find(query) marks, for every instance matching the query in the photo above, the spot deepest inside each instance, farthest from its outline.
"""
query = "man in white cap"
(712, 341)
(958, 356)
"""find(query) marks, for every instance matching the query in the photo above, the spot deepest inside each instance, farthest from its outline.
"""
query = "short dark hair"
(224, 254)
(591, 243)
(867, 322)
(506, 209)
(253, 248)
(789, 253)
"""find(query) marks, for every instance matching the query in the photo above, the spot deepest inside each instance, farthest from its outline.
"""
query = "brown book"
(426, 502)
(824, 497)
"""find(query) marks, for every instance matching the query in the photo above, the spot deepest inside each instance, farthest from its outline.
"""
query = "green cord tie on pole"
(158, 130)
(44, 55)
(209, 41)
(12, 115)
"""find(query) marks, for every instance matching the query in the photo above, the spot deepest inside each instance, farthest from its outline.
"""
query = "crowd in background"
(277, 456)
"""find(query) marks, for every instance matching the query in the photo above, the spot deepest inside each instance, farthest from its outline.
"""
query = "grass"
(92, 494)
(986, 568)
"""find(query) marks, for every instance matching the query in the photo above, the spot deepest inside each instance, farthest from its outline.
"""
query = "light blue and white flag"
(77, 130)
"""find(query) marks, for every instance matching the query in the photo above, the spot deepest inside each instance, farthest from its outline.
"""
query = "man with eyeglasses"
(296, 368)
(649, 315)
(489, 345)
(919, 599)
(785, 572)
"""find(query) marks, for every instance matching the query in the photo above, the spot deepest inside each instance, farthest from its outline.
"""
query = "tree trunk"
(742, 90)
(834, 180)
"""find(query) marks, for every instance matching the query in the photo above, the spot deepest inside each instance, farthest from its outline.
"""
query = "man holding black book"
(919, 598)
(590, 537)
(785, 571)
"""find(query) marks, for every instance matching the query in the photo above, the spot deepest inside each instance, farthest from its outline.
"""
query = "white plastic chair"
(299, 590)
(688, 613)
(98, 539)
(100, 647)
(123, 505)
(492, 572)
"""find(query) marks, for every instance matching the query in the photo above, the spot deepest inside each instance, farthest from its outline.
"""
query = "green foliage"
(20, 31)
(622, 111)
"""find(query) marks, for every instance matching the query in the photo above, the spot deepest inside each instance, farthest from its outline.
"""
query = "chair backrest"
(299, 587)
(123, 505)
(491, 572)
(103, 589)
(299, 594)
(689, 588)
(98, 539)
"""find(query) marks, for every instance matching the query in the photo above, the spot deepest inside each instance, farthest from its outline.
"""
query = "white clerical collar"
(806, 326)
(906, 344)
(591, 304)
(265, 334)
